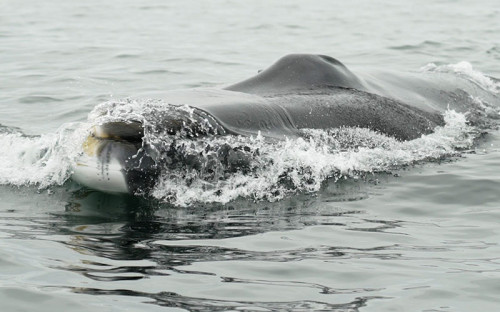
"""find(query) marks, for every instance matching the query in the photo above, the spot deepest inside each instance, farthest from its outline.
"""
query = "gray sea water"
(421, 236)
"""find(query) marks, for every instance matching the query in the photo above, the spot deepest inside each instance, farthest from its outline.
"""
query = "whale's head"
(114, 159)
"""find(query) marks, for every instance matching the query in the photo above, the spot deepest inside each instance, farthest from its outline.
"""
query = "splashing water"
(215, 168)
(40, 160)
(207, 166)
(258, 168)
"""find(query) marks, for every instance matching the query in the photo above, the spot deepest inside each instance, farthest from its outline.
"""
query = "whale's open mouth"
(113, 159)
(130, 131)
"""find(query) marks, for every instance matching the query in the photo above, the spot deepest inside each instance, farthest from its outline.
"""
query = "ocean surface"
(384, 226)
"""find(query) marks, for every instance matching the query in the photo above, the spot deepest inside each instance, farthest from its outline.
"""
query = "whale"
(298, 91)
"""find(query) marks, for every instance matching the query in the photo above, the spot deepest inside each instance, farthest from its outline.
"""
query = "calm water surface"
(422, 238)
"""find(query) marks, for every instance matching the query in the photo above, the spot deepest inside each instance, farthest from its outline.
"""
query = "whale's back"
(296, 72)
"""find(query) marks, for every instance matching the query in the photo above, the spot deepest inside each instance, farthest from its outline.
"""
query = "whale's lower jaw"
(106, 177)
(111, 155)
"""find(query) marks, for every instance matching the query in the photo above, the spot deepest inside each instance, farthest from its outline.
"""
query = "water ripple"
(171, 299)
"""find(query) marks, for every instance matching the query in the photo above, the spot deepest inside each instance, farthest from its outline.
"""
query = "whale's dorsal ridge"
(300, 72)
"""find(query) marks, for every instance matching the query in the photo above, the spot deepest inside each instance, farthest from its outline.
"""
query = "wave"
(464, 69)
